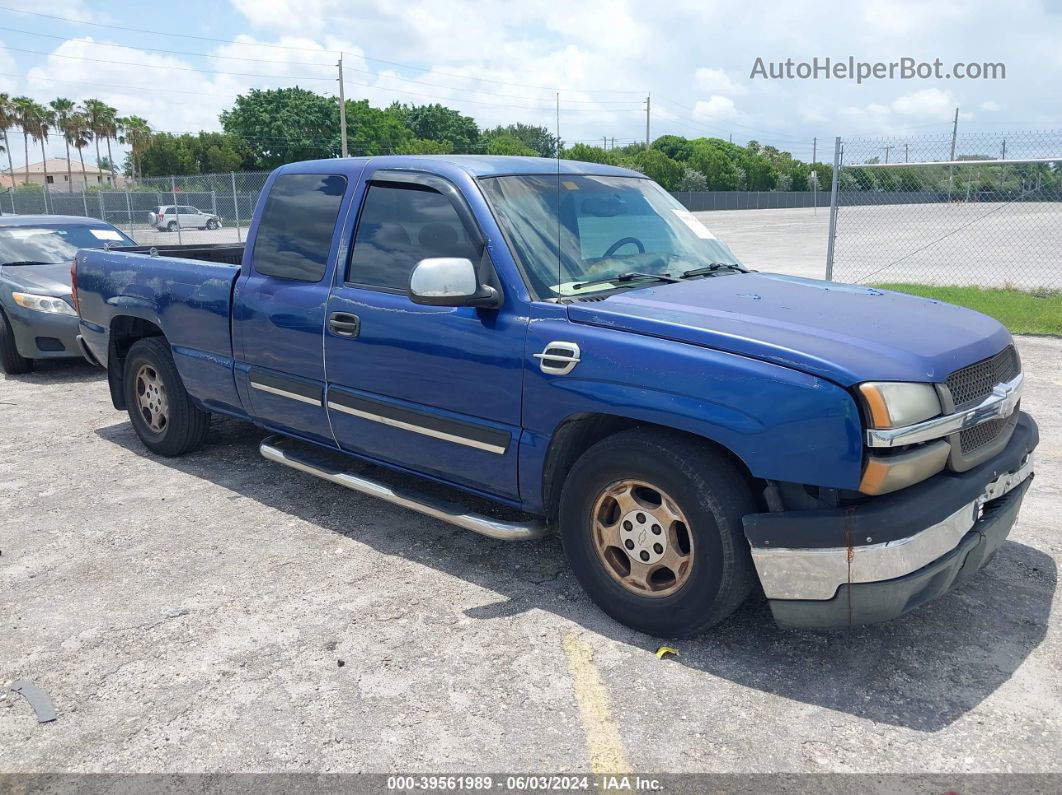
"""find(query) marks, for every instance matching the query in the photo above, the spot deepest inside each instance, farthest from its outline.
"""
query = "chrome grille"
(973, 439)
(974, 383)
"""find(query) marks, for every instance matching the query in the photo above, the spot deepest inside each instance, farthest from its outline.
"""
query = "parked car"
(567, 340)
(37, 320)
(168, 217)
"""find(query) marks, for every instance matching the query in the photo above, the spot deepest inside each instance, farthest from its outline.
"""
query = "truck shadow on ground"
(923, 671)
(60, 371)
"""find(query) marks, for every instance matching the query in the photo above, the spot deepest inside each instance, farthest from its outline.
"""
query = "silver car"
(169, 216)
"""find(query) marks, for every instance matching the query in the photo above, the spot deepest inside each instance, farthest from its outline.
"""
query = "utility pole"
(558, 142)
(648, 98)
(905, 146)
(887, 148)
(951, 169)
(814, 144)
(342, 110)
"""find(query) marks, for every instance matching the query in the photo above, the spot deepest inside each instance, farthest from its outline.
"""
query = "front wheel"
(212, 224)
(162, 413)
(651, 526)
(11, 361)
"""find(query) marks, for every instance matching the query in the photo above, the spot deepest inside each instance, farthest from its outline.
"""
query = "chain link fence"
(978, 209)
(229, 198)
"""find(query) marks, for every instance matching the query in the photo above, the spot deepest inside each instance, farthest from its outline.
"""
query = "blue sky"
(500, 62)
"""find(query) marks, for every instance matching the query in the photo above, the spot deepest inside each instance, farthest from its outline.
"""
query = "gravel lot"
(221, 613)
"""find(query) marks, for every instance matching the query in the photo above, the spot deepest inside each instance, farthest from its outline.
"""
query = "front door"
(433, 389)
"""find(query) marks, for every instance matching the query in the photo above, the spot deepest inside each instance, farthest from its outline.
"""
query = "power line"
(302, 49)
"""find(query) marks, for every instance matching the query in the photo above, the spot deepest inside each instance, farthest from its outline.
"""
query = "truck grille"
(973, 439)
(974, 383)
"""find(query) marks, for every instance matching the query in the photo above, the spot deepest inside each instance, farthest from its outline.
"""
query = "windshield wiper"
(711, 268)
(629, 276)
(31, 262)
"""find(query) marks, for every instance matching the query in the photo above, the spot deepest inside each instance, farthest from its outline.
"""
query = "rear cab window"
(295, 232)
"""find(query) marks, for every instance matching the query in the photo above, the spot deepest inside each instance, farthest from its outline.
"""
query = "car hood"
(50, 279)
(842, 332)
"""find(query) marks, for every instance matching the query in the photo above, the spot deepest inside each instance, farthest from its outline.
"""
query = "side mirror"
(450, 281)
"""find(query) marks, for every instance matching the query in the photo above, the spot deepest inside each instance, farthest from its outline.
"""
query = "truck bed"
(228, 253)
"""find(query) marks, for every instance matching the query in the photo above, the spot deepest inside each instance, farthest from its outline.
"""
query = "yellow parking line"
(603, 742)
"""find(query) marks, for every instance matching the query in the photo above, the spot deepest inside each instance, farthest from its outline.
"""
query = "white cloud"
(928, 103)
(990, 106)
(716, 108)
(716, 81)
(8, 68)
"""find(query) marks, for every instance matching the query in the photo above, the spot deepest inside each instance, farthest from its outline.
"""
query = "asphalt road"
(219, 613)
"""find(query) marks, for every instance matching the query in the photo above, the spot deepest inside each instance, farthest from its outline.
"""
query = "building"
(58, 178)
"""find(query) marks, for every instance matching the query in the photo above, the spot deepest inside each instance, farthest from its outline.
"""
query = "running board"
(283, 451)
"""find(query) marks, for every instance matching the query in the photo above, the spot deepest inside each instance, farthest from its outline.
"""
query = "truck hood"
(842, 332)
(49, 279)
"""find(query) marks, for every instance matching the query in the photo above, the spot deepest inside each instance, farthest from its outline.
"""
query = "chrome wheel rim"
(151, 398)
(642, 538)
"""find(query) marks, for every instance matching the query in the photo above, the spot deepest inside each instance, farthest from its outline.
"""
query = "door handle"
(344, 324)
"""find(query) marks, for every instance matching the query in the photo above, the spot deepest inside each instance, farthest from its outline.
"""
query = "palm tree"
(96, 112)
(64, 109)
(8, 119)
(111, 118)
(25, 117)
(136, 133)
(79, 135)
(45, 120)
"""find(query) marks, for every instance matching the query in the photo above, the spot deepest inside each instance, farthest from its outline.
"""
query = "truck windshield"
(571, 238)
(38, 245)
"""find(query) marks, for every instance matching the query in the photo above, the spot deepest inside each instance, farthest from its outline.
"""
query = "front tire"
(212, 224)
(651, 526)
(12, 362)
(162, 413)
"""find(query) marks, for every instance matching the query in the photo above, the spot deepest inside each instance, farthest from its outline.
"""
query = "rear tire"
(675, 503)
(171, 226)
(12, 362)
(162, 413)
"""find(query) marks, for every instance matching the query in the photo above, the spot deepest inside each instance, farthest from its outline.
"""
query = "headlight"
(44, 303)
(896, 404)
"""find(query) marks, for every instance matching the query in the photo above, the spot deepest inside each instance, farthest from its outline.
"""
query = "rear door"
(279, 304)
(430, 388)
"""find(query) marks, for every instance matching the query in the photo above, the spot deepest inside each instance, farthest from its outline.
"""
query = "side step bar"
(286, 451)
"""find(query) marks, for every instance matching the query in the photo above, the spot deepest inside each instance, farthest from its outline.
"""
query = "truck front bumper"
(884, 557)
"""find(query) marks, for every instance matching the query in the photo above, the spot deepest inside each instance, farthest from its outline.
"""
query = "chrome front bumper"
(817, 574)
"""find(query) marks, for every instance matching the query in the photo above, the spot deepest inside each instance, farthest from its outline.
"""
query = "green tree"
(201, 153)
(719, 170)
(439, 123)
(80, 134)
(374, 131)
(64, 110)
(674, 146)
(100, 120)
(283, 125)
(693, 180)
(540, 140)
(424, 146)
(659, 167)
(8, 118)
(509, 145)
(591, 154)
(137, 134)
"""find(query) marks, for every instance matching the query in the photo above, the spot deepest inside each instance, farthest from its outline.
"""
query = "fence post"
(832, 235)
(129, 210)
(44, 198)
(176, 210)
(236, 207)
(213, 201)
(103, 209)
(84, 200)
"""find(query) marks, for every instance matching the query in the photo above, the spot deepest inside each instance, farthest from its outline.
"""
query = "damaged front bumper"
(886, 556)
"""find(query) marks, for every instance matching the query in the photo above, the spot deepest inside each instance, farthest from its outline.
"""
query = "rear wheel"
(162, 413)
(651, 525)
(171, 226)
(12, 362)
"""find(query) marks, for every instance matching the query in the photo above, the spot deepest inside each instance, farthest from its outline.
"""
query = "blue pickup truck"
(566, 340)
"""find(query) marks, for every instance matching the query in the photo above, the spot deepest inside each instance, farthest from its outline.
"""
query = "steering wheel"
(621, 243)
